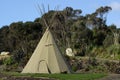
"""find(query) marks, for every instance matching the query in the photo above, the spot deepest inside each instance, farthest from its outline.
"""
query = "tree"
(4, 32)
(98, 18)
(102, 11)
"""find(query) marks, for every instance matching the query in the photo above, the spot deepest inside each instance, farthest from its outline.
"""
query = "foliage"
(8, 61)
(114, 51)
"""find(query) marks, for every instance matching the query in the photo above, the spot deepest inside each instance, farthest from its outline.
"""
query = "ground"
(8, 77)
(112, 77)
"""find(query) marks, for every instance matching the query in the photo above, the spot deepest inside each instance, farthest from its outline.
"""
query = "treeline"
(87, 35)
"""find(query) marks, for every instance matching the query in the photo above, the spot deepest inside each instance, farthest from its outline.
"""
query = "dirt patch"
(112, 77)
(8, 77)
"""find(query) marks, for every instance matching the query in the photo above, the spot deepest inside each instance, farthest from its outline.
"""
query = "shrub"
(8, 61)
(117, 70)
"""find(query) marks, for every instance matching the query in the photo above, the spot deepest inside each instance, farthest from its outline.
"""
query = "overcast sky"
(25, 10)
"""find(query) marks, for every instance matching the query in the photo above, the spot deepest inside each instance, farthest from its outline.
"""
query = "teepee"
(46, 57)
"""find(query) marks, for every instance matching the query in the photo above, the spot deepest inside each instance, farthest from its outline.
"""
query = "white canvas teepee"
(46, 57)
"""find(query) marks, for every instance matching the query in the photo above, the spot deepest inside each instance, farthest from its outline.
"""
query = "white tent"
(46, 57)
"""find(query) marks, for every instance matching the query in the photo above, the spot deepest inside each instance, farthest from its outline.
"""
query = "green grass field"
(85, 76)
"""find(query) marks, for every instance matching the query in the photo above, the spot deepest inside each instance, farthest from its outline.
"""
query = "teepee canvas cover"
(46, 57)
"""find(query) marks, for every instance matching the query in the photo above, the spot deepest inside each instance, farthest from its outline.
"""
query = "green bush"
(8, 61)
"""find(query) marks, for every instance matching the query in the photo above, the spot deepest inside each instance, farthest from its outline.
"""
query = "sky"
(27, 10)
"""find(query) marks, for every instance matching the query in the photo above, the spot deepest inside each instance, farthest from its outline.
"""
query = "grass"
(84, 76)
